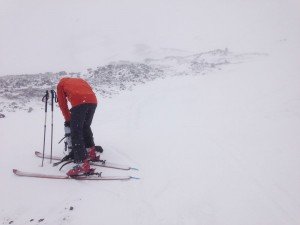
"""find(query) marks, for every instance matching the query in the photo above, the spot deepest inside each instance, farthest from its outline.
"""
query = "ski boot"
(92, 154)
(81, 169)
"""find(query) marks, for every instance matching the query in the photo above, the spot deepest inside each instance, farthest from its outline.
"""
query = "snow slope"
(215, 149)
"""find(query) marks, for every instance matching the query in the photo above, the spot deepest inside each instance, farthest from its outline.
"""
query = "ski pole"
(45, 99)
(53, 99)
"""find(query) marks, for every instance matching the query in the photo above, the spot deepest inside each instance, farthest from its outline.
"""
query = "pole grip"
(45, 99)
(53, 99)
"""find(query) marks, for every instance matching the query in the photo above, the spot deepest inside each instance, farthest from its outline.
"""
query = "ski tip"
(132, 168)
(136, 178)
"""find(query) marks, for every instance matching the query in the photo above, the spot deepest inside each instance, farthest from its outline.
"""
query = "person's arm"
(62, 102)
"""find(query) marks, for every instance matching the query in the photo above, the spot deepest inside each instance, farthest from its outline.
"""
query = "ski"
(102, 163)
(65, 177)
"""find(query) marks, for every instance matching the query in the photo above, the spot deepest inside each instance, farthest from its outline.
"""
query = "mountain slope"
(214, 149)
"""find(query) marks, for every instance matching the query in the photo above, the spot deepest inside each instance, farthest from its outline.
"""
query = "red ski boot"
(92, 154)
(81, 169)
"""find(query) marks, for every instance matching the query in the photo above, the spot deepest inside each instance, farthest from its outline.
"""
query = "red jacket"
(75, 90)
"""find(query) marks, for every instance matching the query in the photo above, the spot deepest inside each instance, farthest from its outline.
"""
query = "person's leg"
(78, 115)
(87, 131)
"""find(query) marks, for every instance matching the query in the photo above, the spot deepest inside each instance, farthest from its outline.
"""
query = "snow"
(220, 148)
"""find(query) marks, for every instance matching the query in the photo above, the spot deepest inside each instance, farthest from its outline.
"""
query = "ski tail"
(40, 155)
(38, 175)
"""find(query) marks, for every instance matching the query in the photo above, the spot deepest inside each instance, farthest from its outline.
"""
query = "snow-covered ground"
(216, 149)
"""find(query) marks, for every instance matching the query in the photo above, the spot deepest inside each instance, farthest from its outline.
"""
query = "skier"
(78, 121)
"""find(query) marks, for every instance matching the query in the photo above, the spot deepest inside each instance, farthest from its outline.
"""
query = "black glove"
(98, 148)
(67, 123)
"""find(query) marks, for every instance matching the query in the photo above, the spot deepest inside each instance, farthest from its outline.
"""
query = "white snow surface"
(216, 149)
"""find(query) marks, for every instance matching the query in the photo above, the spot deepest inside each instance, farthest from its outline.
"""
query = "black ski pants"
(81, 132)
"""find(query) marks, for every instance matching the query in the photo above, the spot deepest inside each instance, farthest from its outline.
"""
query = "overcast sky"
(73, 35)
